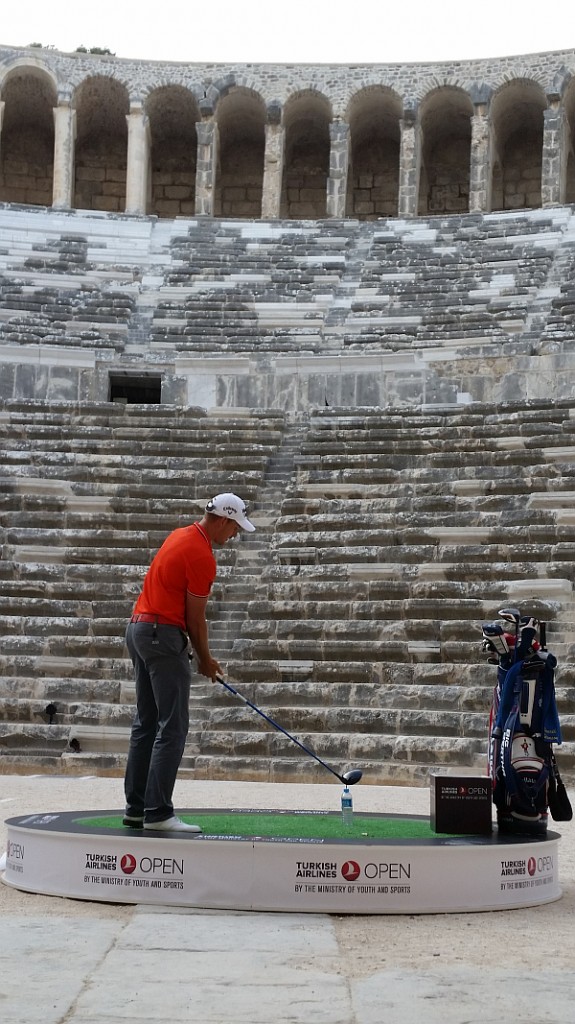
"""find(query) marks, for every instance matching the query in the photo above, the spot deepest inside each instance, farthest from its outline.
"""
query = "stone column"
(554, 155)
(64, 140)
(409, 165)
(138, 162)
(273, 166)
(338, 166)
(480, 162)
(2, 105)
(206, 165)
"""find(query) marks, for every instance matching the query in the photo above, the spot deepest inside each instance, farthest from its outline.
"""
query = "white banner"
(303, 876)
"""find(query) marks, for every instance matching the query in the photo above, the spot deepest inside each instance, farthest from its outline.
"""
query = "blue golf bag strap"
(513, 686)
(510, 695)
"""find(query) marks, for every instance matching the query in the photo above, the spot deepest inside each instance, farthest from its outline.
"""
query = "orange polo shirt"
(184, 564)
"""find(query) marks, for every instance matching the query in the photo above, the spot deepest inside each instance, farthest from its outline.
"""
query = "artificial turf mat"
(312, 825)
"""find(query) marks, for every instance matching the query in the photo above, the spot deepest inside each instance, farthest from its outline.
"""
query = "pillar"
(206, 167)
(2, 105)
(409, 165)
(554, 155)
(138, 162)
(273, 171)
(480, 171)
(64, 145)
(338, 167)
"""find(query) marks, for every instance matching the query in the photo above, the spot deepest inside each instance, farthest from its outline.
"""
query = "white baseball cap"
(230, 506)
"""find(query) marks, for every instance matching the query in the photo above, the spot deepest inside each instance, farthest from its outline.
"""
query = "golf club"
(512, 615)
(348, 778)
(494, 637)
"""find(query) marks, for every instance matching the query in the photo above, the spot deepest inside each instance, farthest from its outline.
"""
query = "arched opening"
(102, 105)
(307, 148)
(517, 126)
(173, 114)
(27, 143)
(445, 117)
(373, 177)
(241, 124)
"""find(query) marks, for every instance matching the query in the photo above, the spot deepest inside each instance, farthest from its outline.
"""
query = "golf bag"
(523, 728)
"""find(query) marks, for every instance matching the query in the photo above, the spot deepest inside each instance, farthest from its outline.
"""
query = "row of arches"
(296, 146)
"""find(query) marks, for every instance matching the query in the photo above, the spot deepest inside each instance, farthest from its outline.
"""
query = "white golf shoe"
(172, 824)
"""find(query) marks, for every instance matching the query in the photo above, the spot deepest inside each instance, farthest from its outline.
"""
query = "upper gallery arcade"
(286, 141)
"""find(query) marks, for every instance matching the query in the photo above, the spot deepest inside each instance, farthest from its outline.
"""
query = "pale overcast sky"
(294, 31)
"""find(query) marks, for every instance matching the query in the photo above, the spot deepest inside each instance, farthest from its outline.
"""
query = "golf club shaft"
(279, 727)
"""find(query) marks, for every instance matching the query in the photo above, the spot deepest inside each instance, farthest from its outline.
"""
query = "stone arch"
(374, 116)
(27, 143)
(516, 112)
(102, 105)
(569, 103)
(173, 113)
(445, 122)
(307, 117)
(241, 117)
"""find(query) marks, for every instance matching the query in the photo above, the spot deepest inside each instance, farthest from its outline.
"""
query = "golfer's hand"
(210, 668)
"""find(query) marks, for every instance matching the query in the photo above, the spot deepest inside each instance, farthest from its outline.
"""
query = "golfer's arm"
(197, 626)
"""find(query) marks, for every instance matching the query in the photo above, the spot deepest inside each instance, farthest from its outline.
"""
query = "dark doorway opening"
(131, 389)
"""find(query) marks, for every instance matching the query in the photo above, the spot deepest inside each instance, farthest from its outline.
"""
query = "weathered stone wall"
(289, 141)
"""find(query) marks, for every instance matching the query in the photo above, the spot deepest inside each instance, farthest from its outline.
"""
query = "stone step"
(479, 550)
(278, 699)
(114, 485)
(94, 713)
(398, 586)
(305, 770)
(63, 646)
(397, 651)
(45, 689)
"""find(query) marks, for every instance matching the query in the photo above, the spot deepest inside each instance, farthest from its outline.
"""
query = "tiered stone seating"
(451, 280)
(88, 494)
(404, 532)
(400, 529)
(560, 321)
(294, 288)
(51, 293)
(237, 287)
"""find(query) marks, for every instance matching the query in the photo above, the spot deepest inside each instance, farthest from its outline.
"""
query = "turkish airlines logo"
(350, 870)
(532, 865)
(128, 863)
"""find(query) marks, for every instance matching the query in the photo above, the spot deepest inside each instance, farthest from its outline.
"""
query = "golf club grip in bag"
(524, 726)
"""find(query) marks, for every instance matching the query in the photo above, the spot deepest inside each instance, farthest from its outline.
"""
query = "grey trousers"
(162, 671)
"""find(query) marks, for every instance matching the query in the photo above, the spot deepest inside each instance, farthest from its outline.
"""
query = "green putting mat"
(289, 825)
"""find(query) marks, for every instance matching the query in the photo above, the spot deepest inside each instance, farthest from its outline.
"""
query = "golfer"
(170, 617)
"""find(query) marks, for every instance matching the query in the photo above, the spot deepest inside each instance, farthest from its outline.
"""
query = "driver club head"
(350, 778)
(510, 614)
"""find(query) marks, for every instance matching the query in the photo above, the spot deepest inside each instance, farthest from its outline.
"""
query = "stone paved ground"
(73, 962)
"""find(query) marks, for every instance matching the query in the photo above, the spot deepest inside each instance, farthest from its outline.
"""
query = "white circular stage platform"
(64, 854)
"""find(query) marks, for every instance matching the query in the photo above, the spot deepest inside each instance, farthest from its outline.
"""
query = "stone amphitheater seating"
(60, 276)
(333, 287)
(384, 566)
(492, 284)
(452, 280)
(88, 494)
(353, 614)
(386, 536)
(231, 286)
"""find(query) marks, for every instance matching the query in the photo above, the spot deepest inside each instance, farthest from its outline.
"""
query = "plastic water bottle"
(346, 808)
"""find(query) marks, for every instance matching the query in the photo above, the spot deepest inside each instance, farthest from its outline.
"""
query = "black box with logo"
(461, 804)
